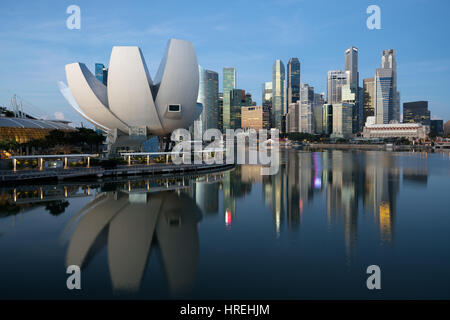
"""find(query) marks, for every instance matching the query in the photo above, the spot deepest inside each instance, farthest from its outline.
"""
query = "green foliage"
(82, 137)
(302, 136)
(402, 141)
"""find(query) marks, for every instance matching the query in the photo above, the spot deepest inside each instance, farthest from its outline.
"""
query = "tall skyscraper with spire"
(293, 81)
(351, 69)
(278, 100)
(351, 66)
(387, 98)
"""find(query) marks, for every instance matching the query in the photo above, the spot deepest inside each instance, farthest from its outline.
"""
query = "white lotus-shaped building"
(132, 100)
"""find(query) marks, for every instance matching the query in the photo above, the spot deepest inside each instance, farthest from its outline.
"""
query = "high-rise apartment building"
(229, 83)
(278, 88)
(293, 81)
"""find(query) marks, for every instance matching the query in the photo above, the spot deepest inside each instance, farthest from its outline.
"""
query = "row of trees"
(84, 138)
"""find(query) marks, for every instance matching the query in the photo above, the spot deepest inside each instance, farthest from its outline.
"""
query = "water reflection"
(350, 182)
(354, 194)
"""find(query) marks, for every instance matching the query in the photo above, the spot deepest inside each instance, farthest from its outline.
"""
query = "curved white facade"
(131, 98)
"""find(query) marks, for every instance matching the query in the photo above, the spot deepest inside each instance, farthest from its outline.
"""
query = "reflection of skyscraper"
(233, 188)
(207, 195)
(382, 184)
(274, 194)
(342, 196)
(294, 202)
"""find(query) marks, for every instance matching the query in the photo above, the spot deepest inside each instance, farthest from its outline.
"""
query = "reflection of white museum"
(130, 225)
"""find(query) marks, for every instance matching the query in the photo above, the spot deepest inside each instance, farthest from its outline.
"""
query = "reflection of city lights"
(228, 217)
(317, 183)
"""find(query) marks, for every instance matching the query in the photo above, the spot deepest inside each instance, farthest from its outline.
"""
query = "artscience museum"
(134, 106)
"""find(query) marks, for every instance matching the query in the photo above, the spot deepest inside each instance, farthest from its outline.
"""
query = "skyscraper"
(342, 120)
(335, 80)
(317, 112)
(384, 95)
(416, 112)
(267, 101)
(237, 101)
(388, 62)
(229, 83)
(278, 101)
(368, 98)
(101, 73)
(351, 65)
(327, 118)
(293, 81)
(266, 92)
(351, 68)
(220, 106)
(208, 96)
(306, 108)
(293, 117)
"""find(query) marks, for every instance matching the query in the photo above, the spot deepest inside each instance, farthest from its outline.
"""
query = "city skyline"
(37, 45)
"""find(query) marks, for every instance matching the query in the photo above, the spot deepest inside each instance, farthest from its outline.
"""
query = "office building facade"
(254, 117)
(229, 83)
(293, 81)
(342, 120)
(101, 73)
(368, 98)
(278, 92)
(416, 112)
(335, 80)
(384, 96)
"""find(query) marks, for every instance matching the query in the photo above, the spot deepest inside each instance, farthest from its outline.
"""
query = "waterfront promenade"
(8, 176)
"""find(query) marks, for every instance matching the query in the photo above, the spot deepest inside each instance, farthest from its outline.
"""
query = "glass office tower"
(278, 101)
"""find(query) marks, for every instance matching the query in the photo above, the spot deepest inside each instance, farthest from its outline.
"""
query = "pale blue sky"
(35, 43)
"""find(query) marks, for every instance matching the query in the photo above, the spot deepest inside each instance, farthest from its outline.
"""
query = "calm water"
(308, 232)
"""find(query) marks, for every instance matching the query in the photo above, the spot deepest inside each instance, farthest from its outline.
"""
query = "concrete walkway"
(124, 170)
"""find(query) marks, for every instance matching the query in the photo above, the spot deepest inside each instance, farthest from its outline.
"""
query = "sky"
(35, 43)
